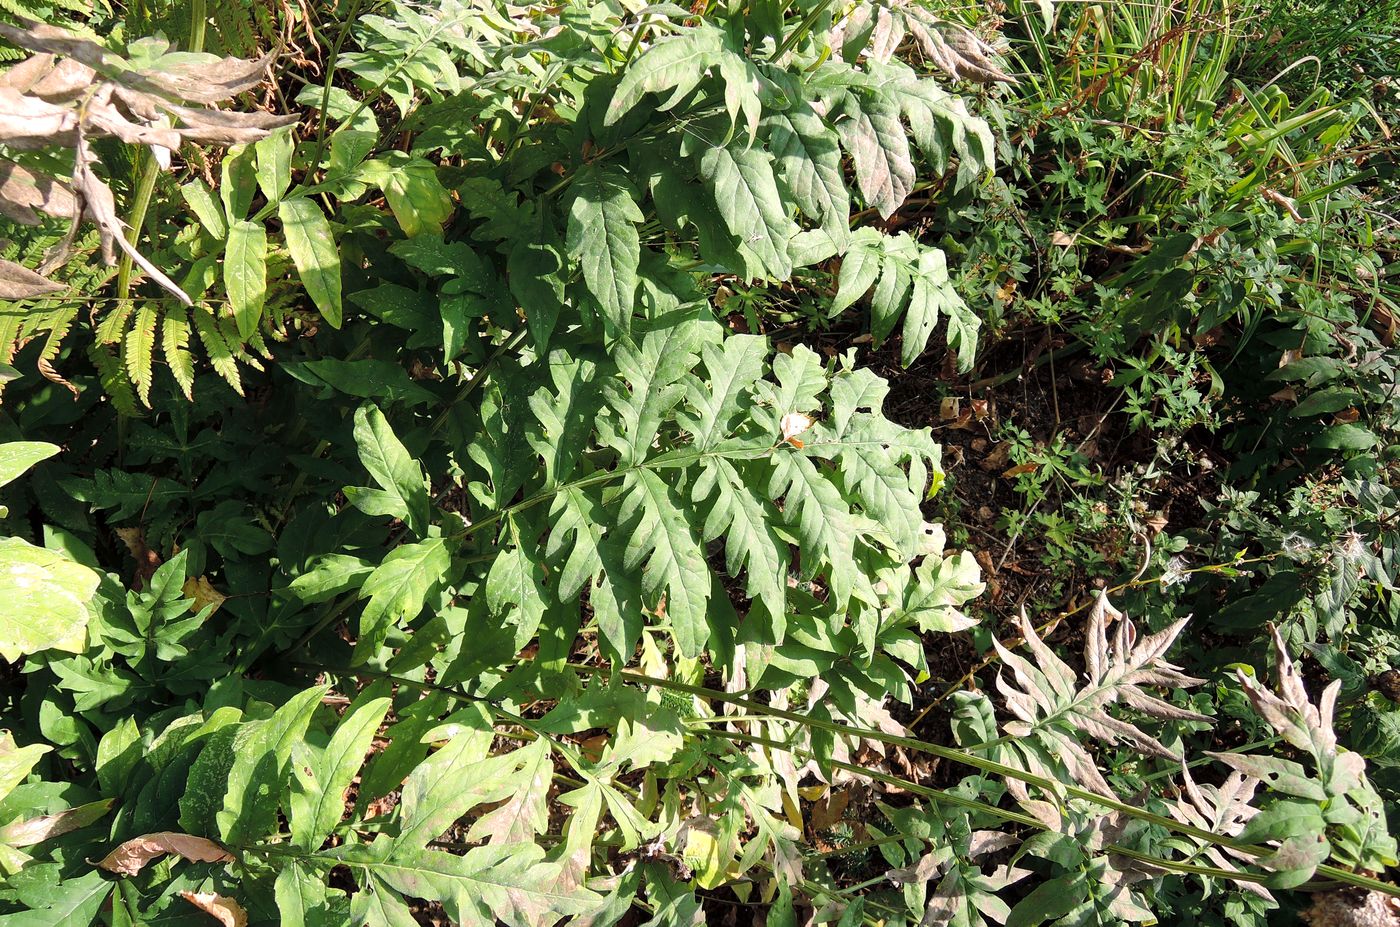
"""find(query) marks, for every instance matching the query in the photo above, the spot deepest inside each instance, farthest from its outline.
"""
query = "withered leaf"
(39, 37)
(225, 910)
(212, 81)
(129, 858)
(27, 73)
(36, 830)
(24, 194)
(1118, 667)
(100, 207)
(958, 51)
(30, 123)
(19, 282)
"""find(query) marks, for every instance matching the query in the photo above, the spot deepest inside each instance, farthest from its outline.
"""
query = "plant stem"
(988, 766)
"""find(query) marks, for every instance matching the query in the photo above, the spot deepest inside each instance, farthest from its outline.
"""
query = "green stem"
(146, 186)
(198, 13)
(988, 766)
(932, 794)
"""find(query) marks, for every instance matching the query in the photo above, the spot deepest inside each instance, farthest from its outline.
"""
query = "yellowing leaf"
(225, 910)
(203, 593)
(16, 762)
(129, 858)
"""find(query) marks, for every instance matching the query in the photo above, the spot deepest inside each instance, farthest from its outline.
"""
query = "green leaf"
(366, 379)
(536, 272)
(674, 560)
(319, 800)
(390, 465)
(274, 164)
(579, 521)
(314, 252)
(1345, 437)
(16, 457)
(417, 198)
(175, 343)
(329, 575)
(245, 274)
(72, 902)
(46, 599)
(733, 368)
(238, 183)
(677, 64)
(746, 193)
(813, 505)
(139, 350)
(303, 899)
(201, 202)
(507, 884)
(17, 762)
(746, 522)
(515, 593)
(602, 236)
(1049, 900)
(257, 781)
(398, 588)
(808, 155)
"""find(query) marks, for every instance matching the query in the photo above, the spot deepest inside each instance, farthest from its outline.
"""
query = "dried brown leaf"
(19, 282)
(100, 207)
(129, 858)
(36, 830)
(958, 51)
(65, 82)
(39, 37)
(225, 910)
(212, 82)
(1118, 666)
(29, 123)
(24, 194)
(928, 867)
(27, 73)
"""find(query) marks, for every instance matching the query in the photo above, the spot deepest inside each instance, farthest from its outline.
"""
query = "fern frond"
(139, 350)
(220, 355)
(113, 378)
(175, 342)
(113, 325)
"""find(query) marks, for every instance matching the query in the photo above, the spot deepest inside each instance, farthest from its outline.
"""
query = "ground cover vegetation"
(769, 461)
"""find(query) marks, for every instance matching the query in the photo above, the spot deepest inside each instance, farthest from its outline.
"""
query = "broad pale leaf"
(507, 884)
(398, 588)
(16, 762)
(417, 198)
(16, 457)
(676, 64)
(809, 156)
(46, 599)
(878, 143)
(319, 801)
(258, 778)
(524, 815)
(674, 561)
